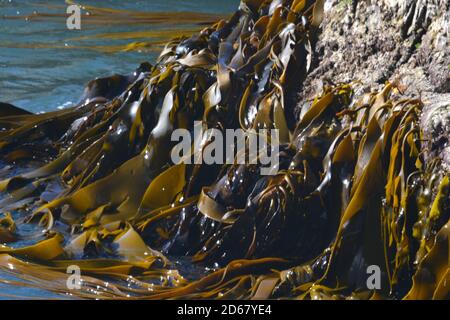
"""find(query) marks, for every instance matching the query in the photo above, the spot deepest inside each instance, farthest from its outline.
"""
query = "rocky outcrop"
(406, 42)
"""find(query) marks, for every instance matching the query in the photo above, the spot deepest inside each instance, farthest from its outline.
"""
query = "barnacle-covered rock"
(406, 42)
(436, 126)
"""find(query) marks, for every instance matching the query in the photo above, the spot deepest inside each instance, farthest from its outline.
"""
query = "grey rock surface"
(403, 41)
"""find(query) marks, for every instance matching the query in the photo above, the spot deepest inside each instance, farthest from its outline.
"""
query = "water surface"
(44, 66)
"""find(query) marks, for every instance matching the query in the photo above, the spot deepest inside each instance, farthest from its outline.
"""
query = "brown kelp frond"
(152, 46)
(353, 189)
(94, 15)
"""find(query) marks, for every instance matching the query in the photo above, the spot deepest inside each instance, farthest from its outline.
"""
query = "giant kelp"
(354, 188)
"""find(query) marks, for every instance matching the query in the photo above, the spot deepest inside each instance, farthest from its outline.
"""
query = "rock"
(403, 41)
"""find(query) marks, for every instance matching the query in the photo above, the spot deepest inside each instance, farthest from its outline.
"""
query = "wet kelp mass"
(359, 182)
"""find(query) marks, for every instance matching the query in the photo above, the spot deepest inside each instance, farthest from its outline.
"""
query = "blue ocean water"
(44, 65)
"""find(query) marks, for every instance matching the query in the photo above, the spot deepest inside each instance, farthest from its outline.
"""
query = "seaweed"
(353, 190)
